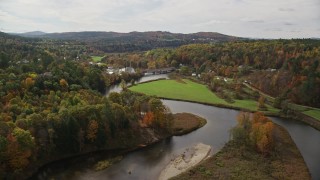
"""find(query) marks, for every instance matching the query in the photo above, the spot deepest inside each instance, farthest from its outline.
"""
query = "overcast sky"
(245, 18)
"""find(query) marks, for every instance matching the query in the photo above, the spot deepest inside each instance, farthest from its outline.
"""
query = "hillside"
(31, 34)
(134, 41)
(160, 35)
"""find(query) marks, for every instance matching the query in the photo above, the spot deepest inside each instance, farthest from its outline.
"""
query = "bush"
(277, 102)
(261, 104)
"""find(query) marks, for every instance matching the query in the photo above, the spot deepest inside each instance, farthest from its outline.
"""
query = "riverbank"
(125, 144)
(188, 91)
(191, 157)
(185, 123)
(236, 161)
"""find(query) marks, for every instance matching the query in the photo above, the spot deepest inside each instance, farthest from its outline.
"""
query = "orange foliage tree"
(63, 84)
(92, 130)
(256, 131)
(262, 137)
(148, 118)
(261, 103)
(28, 83)
(19, 148)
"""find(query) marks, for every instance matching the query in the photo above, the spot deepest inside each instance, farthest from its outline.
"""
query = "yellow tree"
(92, 130)
(63, 84)
(151, 64)
(19, 149)
(261, 135)
(265, 142)
(28, 83)
(261, 103)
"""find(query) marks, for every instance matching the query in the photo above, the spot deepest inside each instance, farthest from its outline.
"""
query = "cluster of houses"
(97, 64)
(158, 71)
(23, 61)
(131, 70)
(112, 70)
(146, 72)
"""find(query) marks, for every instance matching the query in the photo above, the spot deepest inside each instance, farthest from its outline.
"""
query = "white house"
(127, 70)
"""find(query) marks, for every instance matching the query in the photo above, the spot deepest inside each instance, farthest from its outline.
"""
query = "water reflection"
(117, 88)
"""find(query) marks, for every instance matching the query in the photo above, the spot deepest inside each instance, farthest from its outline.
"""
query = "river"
(117, 88)
(148, 162)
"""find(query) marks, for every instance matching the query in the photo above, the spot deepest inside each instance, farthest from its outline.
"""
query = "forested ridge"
(134, 41)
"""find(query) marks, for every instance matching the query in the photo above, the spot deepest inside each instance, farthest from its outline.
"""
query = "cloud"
(295, 31)
(211, 22)
(286, 9)
(248, 18)
(288, 24)
(256, 21)
(274, 29)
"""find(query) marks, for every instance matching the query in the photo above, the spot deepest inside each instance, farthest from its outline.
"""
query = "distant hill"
(150, 35)
(134, 41)
(5, 36)
(31, 34)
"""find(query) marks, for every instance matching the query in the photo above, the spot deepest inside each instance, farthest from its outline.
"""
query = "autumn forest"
(53, 101)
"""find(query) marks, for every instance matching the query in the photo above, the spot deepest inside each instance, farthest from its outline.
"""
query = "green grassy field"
(96, 58)
(313, 113)
(192, 91)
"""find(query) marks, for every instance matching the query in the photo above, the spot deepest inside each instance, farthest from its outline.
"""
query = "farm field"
(191, 91)
(96, 58)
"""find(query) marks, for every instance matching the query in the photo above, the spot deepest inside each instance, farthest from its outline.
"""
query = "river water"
(148, 162)
(117, 88)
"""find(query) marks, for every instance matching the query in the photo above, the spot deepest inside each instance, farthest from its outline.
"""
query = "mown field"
(96, 58)
(191, 91)
(315, 113)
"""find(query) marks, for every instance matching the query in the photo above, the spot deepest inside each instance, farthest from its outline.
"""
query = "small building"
(110, 70)
(46, 74)
(129, 70)
(25, 61)
(148, 73)
(271, 70)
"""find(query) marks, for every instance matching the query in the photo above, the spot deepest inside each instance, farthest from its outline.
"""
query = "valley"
(78, 97)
